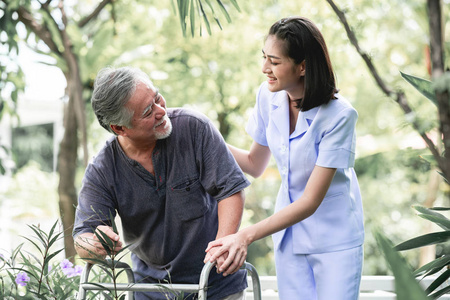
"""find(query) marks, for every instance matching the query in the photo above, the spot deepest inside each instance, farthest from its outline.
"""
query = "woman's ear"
(301, 68)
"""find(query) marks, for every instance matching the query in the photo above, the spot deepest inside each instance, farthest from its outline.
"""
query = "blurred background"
(217, 74)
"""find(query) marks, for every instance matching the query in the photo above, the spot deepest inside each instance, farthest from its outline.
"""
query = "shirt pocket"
(332, 211)
(189, 199)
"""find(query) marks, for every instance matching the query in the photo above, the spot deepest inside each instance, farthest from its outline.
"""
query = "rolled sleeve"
(337, 147)
(220, 174)
(257, 133)
(256, 127)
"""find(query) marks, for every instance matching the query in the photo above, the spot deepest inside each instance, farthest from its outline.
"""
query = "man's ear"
(119, 130)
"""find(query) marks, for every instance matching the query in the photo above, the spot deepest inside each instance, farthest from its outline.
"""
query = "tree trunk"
(67, 165)
(74, 123)
(428, 253)
(74, 120)
(434, 9)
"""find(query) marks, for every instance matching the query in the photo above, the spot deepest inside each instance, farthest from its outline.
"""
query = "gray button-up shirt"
(170, 217)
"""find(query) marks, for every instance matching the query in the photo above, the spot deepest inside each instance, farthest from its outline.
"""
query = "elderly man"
(169, 176)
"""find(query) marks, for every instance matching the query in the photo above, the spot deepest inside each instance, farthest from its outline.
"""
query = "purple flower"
(69, 270)
(22, 279)
(78, 270)
(66, 264)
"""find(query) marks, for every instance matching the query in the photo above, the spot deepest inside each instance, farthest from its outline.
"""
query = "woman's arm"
(236, 245)
(252, 162)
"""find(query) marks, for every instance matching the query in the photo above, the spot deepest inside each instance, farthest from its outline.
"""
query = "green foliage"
(114, 268)
(11, 74)
(33, 143)
(391, 182)
(442, 84)
(202, 8)
(218, 75)
(440, 264)
(406, 286)
(29, 276)
(422, 85)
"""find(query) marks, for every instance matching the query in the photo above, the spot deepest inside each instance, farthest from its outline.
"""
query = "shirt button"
(283, 148)
(284, 170)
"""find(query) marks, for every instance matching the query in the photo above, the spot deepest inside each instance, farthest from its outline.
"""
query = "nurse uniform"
(321, 256)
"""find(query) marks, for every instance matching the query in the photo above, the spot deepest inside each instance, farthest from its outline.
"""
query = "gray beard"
(167, 129)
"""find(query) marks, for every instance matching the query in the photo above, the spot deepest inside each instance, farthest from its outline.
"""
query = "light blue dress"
(323, 136)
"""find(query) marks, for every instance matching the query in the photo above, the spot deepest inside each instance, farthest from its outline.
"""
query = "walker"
(200, 288)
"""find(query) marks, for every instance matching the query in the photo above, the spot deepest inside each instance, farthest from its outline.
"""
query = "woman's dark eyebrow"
(271, 56)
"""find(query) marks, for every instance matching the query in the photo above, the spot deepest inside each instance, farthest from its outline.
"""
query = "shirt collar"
(305, 118)
(304, 121)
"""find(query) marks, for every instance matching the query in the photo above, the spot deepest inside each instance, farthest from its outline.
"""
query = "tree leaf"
(440, 293)
(422, 85)
(444, 223)
(433, 266)
(224, 11)
(428, 211)
(234, 2)
(406, 286)
(192, 13)
(440, 208)
(424, 240)
(438, 282)
(205, 18)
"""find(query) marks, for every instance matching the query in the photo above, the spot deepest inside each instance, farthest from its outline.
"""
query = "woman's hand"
(235, 245)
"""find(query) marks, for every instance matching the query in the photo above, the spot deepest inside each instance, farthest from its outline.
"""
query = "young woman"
(301, 119)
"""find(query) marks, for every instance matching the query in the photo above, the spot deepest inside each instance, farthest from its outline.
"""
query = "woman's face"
(282, 73)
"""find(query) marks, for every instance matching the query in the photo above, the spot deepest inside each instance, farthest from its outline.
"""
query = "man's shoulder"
(106, 153)
(183, 114)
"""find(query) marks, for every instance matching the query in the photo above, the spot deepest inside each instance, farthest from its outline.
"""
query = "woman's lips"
(271, 79)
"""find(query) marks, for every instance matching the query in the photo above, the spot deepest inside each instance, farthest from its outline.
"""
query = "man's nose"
(160, 111)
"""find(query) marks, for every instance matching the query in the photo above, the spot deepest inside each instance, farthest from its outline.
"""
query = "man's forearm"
(230, 212)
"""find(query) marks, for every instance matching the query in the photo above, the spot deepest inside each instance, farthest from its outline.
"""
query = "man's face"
(150, 121)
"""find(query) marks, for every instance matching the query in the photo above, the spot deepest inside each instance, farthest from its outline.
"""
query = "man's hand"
(219, 260)
(88, 245)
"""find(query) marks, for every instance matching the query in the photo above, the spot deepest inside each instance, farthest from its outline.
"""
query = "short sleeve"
(94, 203)
(220, 175)
(256, 126)
(337, 147)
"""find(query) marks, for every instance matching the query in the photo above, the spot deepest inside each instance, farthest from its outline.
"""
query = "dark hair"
(304, 42)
